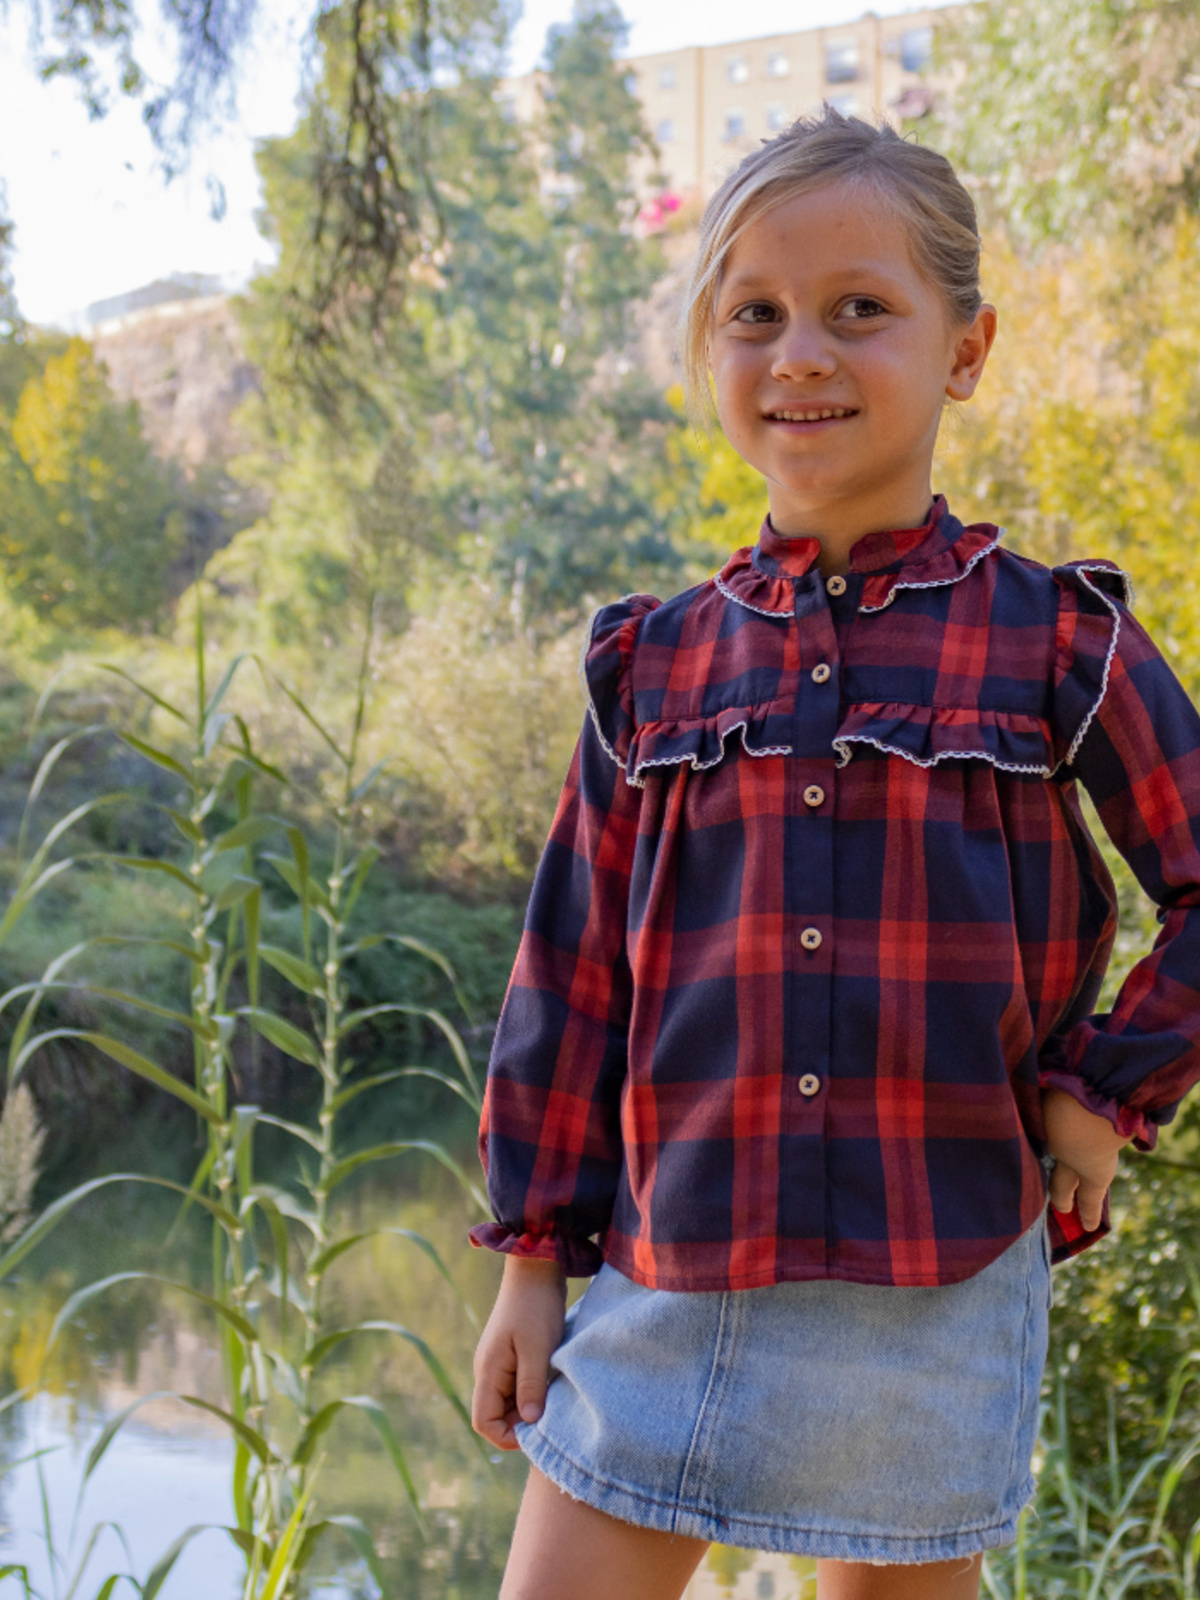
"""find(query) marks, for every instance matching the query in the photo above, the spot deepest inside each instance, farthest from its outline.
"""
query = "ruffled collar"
(763, 577)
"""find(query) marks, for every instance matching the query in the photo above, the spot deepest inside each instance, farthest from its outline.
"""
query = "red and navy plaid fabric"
(819, 914)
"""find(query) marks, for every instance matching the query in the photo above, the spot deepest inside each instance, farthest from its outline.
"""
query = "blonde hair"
(919, 185)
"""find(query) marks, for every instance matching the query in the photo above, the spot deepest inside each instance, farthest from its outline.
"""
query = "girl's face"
(832, 355)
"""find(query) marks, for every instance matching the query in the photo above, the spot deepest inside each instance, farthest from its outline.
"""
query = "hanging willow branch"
(372, 155)
(367, 174)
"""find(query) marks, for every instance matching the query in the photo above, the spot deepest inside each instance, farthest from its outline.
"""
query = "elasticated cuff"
(579, 1258)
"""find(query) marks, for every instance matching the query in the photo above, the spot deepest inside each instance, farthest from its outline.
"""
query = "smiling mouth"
(821, 414)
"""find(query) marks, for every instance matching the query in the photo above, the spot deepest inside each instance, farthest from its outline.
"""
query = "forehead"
(840, 229)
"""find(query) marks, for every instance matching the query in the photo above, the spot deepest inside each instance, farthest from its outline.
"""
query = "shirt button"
(814, 795)
(811, 938)
(809, 1085)
(820, 673)
(836, 585)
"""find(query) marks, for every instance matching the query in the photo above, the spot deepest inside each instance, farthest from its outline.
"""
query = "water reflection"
(169, 1467)
(160, 1477)
(168, 1470)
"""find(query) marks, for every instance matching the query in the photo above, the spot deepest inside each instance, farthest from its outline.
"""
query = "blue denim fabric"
(822, 1418)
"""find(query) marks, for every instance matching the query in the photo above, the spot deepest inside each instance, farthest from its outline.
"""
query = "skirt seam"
(718, 1374)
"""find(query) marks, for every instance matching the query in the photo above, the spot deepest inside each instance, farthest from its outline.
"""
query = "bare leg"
(563, 1550)
(939, 1580)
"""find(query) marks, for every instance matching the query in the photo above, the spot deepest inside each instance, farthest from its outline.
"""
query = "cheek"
(734, 381)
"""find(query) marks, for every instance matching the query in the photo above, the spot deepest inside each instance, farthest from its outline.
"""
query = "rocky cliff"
(185, 364)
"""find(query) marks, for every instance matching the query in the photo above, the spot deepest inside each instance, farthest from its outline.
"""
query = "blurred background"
(338, 385)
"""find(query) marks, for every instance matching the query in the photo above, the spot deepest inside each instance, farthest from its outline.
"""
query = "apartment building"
(709, 105)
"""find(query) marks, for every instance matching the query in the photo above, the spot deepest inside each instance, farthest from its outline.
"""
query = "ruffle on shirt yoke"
(605, 669)
(651, 702)
(672, 685)
(1093, 594)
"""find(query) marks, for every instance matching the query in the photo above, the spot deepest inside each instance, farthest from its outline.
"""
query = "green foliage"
(487, 716)
(1075, 117)
(86, 530)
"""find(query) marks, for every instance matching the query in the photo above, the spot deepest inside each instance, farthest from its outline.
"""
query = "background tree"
(1078, 116)
(87, 530)
(505, 372)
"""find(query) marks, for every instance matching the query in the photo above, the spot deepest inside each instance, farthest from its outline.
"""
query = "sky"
(94, 217)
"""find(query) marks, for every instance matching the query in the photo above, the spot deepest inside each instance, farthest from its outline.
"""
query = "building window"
(665, 132)
(847, 104)
(737, 69)
(777, 117)
(916, 46)
(508, 106)
(778, 65)
(666, 77)
(631, 82)
(841, 61)
(735, 125)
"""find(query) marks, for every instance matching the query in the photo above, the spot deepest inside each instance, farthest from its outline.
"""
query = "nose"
(804, 350)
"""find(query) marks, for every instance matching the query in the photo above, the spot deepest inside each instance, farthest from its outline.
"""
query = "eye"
(863, 307)
(758, 314)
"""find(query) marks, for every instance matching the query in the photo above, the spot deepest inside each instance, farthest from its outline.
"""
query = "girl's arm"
(1139, 759)
(550, 1137)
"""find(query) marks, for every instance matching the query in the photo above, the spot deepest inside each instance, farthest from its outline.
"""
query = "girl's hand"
(512, 1363)
(1086, 1148)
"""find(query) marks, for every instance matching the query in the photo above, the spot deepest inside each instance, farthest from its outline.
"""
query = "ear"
(971, 348)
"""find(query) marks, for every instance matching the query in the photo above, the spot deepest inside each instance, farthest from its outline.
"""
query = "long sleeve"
(1138, 755)
(550, 1137)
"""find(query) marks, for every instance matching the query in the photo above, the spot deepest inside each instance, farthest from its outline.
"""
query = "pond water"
(168, 1469)
(158, 1478)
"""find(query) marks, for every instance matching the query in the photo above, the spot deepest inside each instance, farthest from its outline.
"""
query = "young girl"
(801, 1020)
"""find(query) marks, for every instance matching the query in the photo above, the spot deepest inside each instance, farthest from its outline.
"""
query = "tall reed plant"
(272, 1247)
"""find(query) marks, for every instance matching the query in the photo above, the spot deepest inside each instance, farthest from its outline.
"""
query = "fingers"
(533, 1375)
(1064, 1182)
(1090, 1198)
(1068, 1189)
(493, 1413)
(510, 1387)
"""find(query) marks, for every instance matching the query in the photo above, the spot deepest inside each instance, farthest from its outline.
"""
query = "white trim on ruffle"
(845, 739)
(760, 611)
(588, 640)
(702, 766)
(1111, 604)
(935, 583)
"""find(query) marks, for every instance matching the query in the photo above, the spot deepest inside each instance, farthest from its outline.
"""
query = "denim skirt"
(829, 1419)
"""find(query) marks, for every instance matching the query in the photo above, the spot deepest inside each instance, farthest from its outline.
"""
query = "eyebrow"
(747, 282)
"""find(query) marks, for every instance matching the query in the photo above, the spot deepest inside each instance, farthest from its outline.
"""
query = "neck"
(838, 529)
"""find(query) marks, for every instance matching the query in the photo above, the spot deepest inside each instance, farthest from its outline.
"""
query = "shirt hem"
(726, 1282)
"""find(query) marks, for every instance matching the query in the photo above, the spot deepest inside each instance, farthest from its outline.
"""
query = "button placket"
(809, 881)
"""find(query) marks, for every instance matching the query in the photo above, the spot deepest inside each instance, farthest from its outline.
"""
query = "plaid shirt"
(819, 914)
